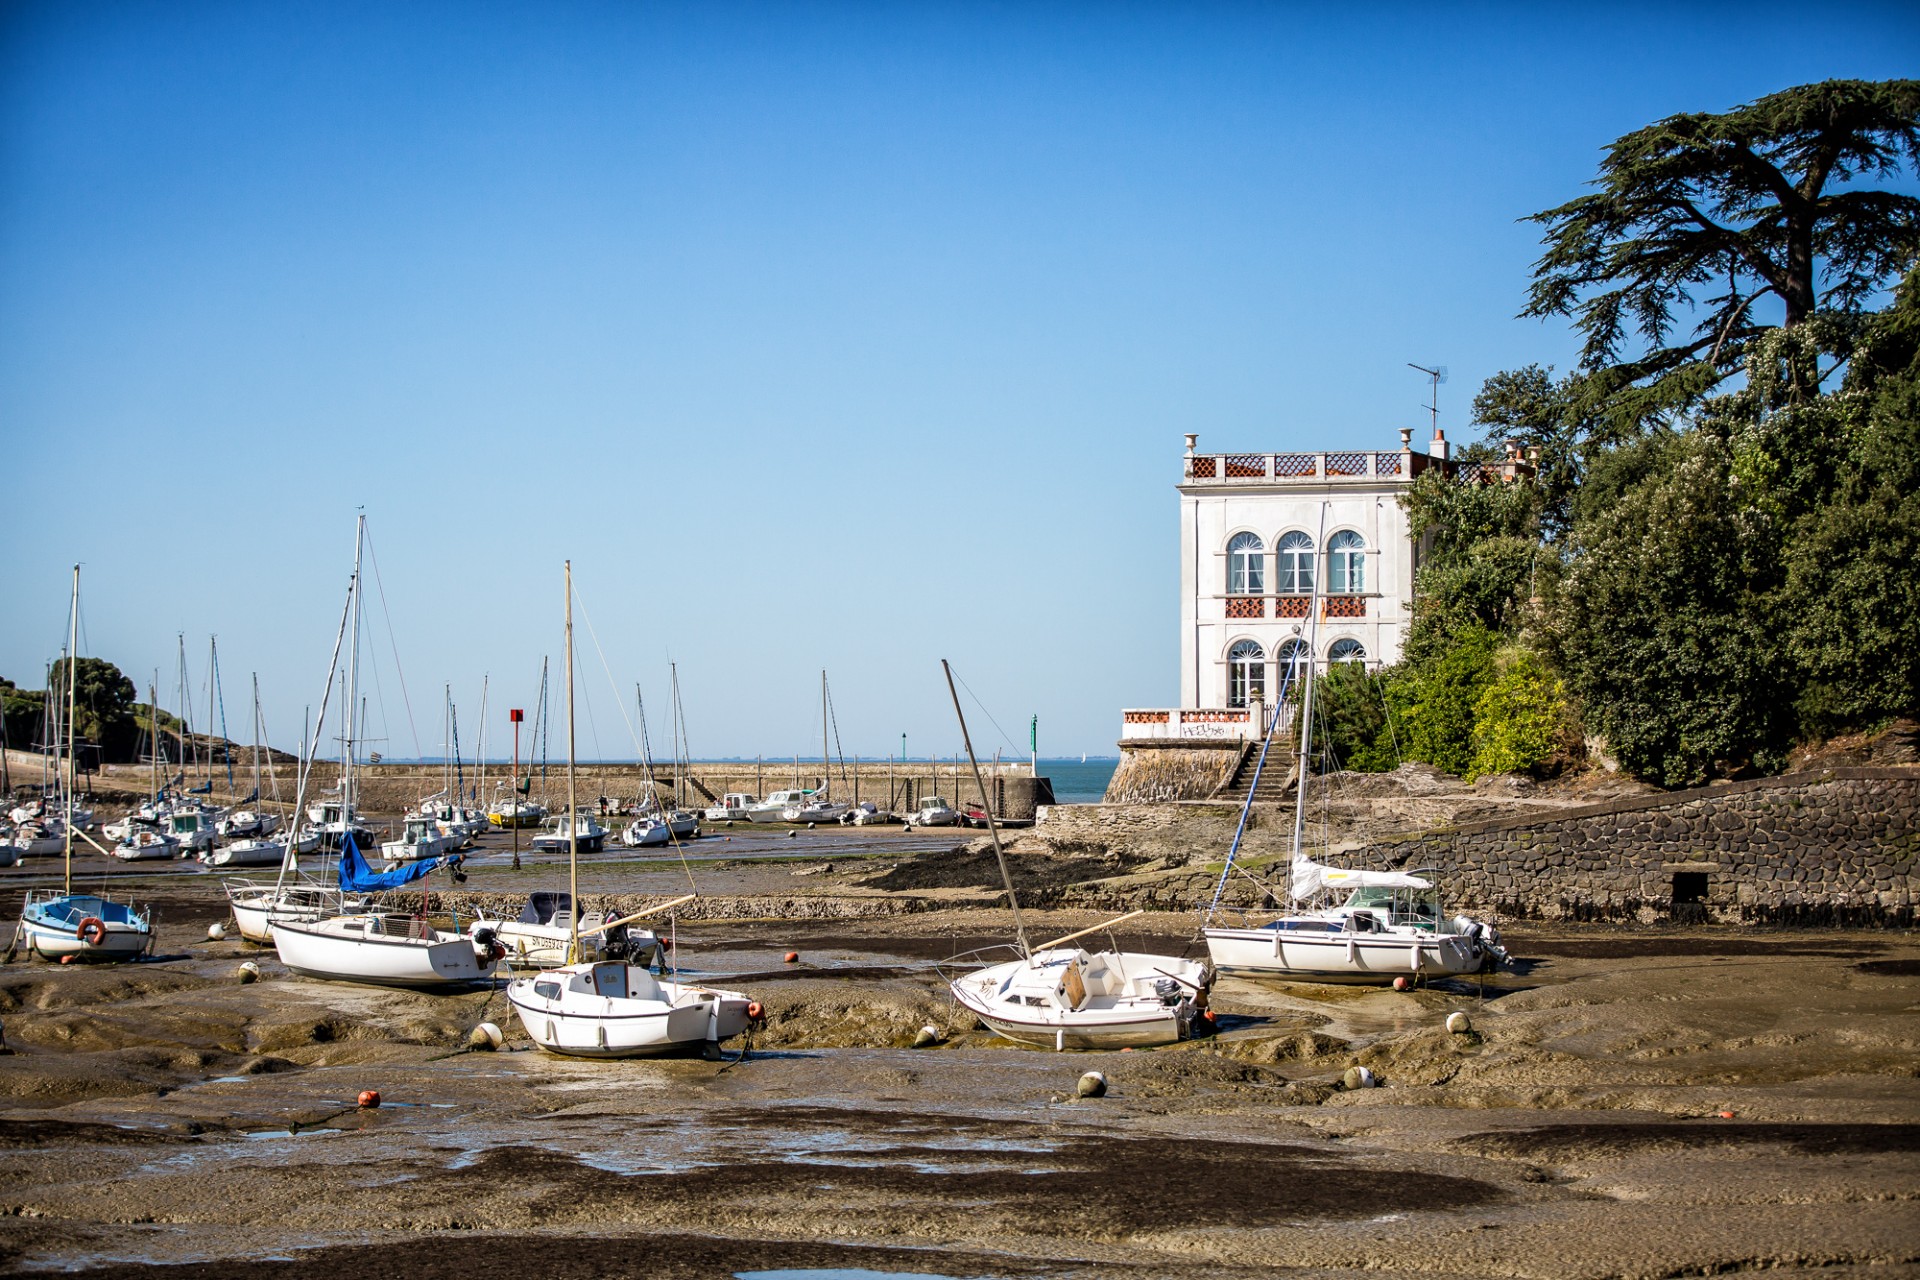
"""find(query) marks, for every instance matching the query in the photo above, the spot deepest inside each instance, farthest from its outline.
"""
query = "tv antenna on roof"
(1435, 375)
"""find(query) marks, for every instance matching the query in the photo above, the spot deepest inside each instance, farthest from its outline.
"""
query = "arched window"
(1246, 674)
(1294, 658)
(1246, 565)
(1347, 651)
(1346, 563)
(1296, 563)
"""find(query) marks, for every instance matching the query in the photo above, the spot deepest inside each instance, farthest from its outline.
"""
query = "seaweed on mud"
(1621, 1139)
(1042, 1180)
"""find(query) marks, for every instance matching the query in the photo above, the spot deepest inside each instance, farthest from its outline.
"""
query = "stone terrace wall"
(1159, 772)
(1836, 847)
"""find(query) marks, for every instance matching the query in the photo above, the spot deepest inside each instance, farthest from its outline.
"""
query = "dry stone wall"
(1836, 847)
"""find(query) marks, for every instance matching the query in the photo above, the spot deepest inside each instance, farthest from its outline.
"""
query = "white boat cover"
(1310, 877)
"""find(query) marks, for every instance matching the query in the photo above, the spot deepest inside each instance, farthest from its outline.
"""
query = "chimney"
(1438, 448)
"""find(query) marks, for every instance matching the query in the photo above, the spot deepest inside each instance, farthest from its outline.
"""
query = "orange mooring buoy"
(793, 957)
(370, 1098)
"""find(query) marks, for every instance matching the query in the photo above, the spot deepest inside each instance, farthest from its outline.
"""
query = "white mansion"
(1255, 531)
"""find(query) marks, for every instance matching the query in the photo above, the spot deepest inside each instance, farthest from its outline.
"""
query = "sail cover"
(357, 877)
(1310, 877)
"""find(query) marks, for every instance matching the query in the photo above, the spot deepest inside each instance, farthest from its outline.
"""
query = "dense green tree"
(1350, 719)
(1660, 619)
(1521, 718)
(1702, 218)
(103, 706)
(1432, 702)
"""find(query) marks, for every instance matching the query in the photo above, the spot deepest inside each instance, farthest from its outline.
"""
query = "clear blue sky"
(842, 336)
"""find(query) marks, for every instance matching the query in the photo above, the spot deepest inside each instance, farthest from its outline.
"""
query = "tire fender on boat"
(92, 931)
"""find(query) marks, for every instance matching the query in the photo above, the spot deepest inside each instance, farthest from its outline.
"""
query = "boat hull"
(1018, 1000)
(313, 952)
(578, 1026)
(49, 930)
(1335, 956)
(249, 853)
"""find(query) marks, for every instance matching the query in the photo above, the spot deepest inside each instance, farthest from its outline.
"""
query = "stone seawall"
(1836, 847)
(388, 789)
(1156, 772)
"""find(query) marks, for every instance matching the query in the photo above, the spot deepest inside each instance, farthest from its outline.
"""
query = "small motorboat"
(82, 927)
(563, 832)
(646, 831)
(244, 823)
(776, 804)
(934, 812)
(1070, 998)
(538, 937)
(815, 811)
(516, 813)
(144, 843)
(867, 814)
(420, 838)
(41, 838)
(255, 851)
(611, 1009)
(735, 806)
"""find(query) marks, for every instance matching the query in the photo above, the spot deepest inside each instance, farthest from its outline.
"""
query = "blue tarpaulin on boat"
(357, 877)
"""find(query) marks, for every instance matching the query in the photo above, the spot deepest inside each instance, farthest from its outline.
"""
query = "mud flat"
(1628, 1103)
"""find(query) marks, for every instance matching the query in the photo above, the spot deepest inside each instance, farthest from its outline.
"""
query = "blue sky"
(819, 336)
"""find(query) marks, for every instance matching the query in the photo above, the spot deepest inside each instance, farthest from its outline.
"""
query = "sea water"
(1078, 783)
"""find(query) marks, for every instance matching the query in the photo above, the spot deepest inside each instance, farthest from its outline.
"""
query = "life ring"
(94, 926)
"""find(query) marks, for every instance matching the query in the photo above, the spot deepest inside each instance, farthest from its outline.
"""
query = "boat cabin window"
(547, 990)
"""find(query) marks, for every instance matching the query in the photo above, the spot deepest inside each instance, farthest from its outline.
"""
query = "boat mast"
(153, 730)
(480, 786)
(573, 821)
(213, 675)
(826, 764)
(185, 728)
(353, 686)
(256, 738)
(1306, 698)
(993, 828)
(73, 647)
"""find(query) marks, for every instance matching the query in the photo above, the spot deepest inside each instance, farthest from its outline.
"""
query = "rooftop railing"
(1280, 468)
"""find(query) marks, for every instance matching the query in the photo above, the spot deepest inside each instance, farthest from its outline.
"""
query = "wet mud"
(1637, 1104)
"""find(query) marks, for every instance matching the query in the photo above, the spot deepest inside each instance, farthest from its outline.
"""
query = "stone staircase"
(1276, 781)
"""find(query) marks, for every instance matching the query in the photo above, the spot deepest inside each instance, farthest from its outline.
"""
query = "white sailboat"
(612, 1008)
(382, 948)
(65, 925)
(1391, 924)
(292, 896)
(1061, 997)
(539, 937)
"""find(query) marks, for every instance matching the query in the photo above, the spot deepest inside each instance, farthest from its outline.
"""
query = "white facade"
(1256, 530)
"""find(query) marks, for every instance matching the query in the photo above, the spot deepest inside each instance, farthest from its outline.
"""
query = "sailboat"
(820, 806)
(79, 926)
(258, 906)
(1391, 924)
(1061, 997)
(247, 830)
(612, 1008)
(384, 948)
